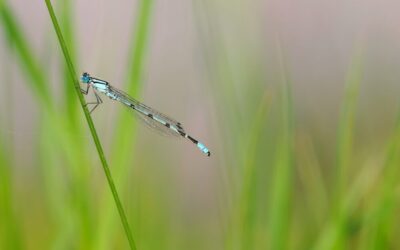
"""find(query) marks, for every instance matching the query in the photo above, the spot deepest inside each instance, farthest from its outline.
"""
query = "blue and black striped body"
(154, 118)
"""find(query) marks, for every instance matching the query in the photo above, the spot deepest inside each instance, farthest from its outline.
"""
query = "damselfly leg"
(96, 103)
(85, 91)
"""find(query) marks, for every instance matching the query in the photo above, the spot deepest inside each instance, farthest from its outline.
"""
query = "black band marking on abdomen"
(192, 139)
(181, 133)
(179, 125)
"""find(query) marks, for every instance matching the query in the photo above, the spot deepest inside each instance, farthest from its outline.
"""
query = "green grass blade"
(10, 228)
(67, 21)
(139, 48)
(249, 198)
(10, 237)
(28, 61)
(81, 175)
(335, 235)
(34, 72)
(346, 124)
(282, 180)
(344, 149)
(125, 125)
(382, 216)
(91, 126)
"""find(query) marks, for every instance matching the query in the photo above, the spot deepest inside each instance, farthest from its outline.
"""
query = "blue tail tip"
(203, 149)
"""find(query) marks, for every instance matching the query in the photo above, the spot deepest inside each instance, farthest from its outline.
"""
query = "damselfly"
(153, 118)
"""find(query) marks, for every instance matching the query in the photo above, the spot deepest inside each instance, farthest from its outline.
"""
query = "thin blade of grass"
(381, 217)
(248, 199)
(10, 237)
(125, 125)
(312, 181)
(335, 236)
(344, 149)
(279, 209)
(10, 229)
(346, 124)
(92, 129)
(139, 48)
(39, 84)
(77, 140)
(67, 21)
(28, 61)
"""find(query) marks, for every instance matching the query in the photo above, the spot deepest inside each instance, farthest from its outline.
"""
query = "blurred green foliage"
(270, 188)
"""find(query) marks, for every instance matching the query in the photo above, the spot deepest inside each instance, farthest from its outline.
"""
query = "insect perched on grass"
(151, 117)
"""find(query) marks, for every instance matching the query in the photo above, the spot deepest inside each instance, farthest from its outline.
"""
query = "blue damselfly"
(153, 118)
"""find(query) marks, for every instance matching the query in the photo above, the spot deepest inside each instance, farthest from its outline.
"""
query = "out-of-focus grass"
(336, 236)
(248, 201)
(27, 60)
(281, 189)
(344, 149)
(122, 149)
(381, 217)
(10, 231)
(10, 237)
(274, 191)
(67, 25)
(57, 131)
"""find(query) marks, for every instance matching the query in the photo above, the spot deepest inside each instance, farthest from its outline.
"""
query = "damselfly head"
(85, 78)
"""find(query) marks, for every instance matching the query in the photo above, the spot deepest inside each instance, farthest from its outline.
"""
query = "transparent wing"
(154, 125)
(164, 124)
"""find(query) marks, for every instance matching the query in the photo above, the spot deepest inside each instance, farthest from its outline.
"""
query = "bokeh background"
(297, 101)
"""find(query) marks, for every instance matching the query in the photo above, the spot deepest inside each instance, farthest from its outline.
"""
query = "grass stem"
(89, 120)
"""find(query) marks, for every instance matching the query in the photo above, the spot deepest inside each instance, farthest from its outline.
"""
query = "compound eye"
(85, 78)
